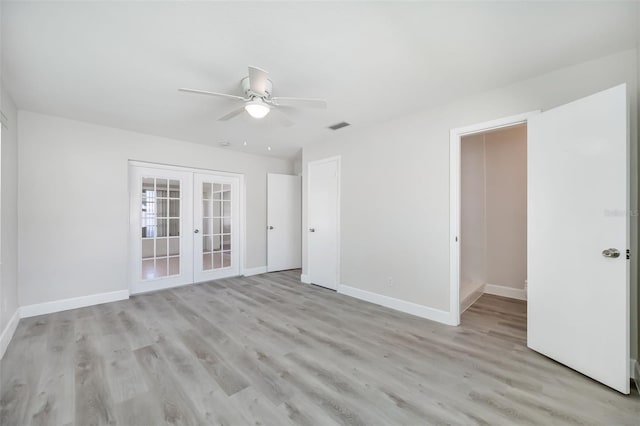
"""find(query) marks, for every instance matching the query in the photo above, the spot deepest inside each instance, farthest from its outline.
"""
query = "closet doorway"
(185, 226)
(493, 214)
(578, 230)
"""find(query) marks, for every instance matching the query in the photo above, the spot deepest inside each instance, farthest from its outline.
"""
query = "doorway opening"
(493, 214)
(488, 212)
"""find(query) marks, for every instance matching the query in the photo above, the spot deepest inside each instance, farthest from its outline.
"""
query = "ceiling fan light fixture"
(257, 109)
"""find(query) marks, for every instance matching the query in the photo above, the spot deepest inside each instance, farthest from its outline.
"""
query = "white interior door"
(216, 226)
(323, 222)
(284, 222)
(160, 229)
(578, 296)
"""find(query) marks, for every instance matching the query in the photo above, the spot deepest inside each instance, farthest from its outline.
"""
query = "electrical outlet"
(389, 281)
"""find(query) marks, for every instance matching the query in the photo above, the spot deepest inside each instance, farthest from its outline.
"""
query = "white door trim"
(242, 203)
(454, 200)
(306, 278)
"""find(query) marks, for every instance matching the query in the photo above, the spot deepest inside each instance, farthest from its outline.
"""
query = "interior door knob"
(312, 229)
(196, 231)
(611, 252)
(270, 228)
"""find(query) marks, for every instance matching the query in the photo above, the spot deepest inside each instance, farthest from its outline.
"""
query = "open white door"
(284, 222)
(324, 222)
(578, 296)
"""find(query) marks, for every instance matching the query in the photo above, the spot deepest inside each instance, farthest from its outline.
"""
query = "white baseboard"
(499, 290)
(247, 272)
(8, 332)
(635, 372)
(397, 304)
(305, 279)
(72, 303)
(472, 298)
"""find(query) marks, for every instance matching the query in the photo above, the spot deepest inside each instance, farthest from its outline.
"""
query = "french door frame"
(134, 211)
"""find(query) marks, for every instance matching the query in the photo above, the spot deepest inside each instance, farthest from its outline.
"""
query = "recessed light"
(268, 148)
(244, 143)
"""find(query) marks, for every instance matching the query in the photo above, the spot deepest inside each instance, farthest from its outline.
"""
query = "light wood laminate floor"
(269, 350)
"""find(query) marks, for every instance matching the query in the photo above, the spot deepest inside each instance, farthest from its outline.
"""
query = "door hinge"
(628, 254)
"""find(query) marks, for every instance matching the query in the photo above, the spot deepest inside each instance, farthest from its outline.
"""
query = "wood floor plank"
(269, 350)
(169, 396)
(93, 401)
(221, 369)
(19, 378)
(57, 377)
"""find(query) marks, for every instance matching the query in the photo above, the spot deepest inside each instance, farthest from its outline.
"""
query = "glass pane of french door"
(160, 227)
(216, 218)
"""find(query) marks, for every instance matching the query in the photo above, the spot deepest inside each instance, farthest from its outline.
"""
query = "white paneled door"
(284, 222)
(323, 222)
(184, 227)
(578, 229)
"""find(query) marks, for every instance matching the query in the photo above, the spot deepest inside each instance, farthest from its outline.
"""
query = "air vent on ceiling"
(339, 125)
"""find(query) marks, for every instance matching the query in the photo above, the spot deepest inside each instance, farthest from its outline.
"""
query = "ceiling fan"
(257, 98)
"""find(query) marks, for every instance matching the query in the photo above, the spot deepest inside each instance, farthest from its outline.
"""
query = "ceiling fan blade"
(204, 92)
(232, 114)
(281, 117)
(300, 102)
(258, 80)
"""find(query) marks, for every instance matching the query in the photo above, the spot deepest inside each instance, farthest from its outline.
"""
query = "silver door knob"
(312, 229)
(196, 231)
(270, 227)
(611, 252)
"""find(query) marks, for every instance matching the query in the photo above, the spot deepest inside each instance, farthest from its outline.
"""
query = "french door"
(216, 227)
(184, 227)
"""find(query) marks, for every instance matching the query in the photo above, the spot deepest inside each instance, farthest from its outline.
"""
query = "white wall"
(506, 202)
(407, 159)
(473, 225)
(74, 202)
(8, 215)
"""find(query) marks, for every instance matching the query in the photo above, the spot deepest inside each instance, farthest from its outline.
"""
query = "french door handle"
(196, 231)
(312, 229)
(270, 228)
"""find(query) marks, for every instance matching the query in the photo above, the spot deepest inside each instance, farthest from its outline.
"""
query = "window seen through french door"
(184, 227)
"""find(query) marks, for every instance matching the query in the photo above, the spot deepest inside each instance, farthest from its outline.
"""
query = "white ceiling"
(119, 63)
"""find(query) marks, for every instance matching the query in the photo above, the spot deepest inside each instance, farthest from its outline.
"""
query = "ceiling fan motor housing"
(246, 89)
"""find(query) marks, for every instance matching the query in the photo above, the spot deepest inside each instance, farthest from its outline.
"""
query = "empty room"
(319, 213)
